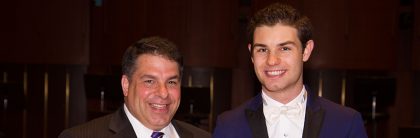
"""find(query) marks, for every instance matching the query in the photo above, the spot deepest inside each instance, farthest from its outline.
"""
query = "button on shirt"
(144, 132)
(285, 120)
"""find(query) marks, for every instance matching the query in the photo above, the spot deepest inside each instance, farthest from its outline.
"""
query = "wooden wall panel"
(351, 35)
(416, 39)
(210, 36)
(56, 100)
(36, 125)
(203, 30)
(330, 20)
(372, 35)
(8, 28)
(114, 25)
(11, 112)
(259, 4)
(36, 102)
(47, 31)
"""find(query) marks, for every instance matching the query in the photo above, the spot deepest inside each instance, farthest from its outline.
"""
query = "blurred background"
(60, 60)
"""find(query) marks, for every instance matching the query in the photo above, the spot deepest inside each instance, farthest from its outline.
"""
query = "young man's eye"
(262, 50)
(285, 48)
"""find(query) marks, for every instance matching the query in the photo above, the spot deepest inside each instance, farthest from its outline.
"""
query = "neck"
(285, 96)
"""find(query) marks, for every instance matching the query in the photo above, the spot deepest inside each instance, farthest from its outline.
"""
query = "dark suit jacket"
(323, 119)
(117, 125)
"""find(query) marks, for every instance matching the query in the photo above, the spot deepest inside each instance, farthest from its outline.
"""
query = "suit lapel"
(182, 132)
(120, 125)
(255, 116)
(314, 117)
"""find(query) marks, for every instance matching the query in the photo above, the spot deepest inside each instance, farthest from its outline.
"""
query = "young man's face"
(153, 93)
(278, 57)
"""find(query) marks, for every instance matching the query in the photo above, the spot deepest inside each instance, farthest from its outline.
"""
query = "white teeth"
(274, 73)
(158, 106)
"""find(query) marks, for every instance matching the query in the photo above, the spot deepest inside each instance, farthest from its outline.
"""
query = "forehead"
(155, 62)
(277, 31)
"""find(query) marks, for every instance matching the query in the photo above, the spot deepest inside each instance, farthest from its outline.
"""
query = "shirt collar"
(300, 99)
(144, 132)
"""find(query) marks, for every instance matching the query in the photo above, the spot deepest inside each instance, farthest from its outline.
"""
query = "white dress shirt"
(285, 120)
(144, 132)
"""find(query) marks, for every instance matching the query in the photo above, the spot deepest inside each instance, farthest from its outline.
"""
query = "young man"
(151, 84)
(280, 42)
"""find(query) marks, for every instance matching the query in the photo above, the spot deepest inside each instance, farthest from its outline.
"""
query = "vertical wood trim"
(320, 83)
(189, 80)
(25, 95)
(211, 102)
(66, 115)
(45, 104)
(5, 101)
(343, 91)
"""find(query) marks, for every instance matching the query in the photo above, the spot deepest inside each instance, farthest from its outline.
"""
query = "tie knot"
(289, 107)
(289, 111)
(157, 134)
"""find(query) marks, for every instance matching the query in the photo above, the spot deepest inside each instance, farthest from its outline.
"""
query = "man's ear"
(125, 84)
(250, 51)
(308, 50)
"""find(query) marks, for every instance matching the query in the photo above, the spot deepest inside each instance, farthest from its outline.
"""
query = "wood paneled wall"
(40, 100)
(416, 38)
(45, 32)
(353, 34)
(203, 30)
(349, 34)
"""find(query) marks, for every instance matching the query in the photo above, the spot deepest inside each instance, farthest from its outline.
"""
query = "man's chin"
(161, 123)
(274, 88)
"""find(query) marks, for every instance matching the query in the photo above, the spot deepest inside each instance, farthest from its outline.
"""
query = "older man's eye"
(172, 83)
(149, 82)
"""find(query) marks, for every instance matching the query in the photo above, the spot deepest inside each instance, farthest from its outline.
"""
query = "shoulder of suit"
(189, 126)
(334, 107)
(238, 112)
(192, 128)
(100, 124)
(102, 121)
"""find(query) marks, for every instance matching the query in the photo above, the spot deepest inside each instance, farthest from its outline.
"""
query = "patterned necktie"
(157, 135)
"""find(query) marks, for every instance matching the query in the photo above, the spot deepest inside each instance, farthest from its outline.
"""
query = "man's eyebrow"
(286, 43)
(148, 76)
(280, 44)
(153, 77)
(174, 77)
(259, 45)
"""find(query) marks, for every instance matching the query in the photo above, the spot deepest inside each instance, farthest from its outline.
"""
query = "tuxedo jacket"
(323, 119)
(117, 125)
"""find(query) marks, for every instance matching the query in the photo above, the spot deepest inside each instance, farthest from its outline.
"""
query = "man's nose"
(272, 59)
(163, 91)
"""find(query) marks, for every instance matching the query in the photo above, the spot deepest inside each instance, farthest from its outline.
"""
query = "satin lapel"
(314, 117)
(255, 116)
(182, 132)
(121, 125)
